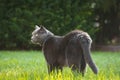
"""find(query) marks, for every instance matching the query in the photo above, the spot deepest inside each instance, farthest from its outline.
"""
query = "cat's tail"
(85, 42)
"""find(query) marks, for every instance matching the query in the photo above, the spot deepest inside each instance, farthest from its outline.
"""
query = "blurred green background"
(100, 18)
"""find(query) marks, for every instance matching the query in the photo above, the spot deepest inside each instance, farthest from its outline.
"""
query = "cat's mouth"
(35, 42)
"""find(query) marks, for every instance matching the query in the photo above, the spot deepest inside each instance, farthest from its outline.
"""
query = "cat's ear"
(42, 28)
(37, 27)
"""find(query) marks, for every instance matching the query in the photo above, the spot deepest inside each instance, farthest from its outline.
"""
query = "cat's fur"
(71, 50)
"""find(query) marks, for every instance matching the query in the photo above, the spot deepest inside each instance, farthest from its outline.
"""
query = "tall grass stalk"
(31, 65)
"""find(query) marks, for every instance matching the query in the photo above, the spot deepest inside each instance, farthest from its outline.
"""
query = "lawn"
(31, 65)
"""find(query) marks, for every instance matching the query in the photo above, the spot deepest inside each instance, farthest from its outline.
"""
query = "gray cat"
(71, 50)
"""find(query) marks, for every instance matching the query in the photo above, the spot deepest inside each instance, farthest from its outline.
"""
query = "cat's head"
(40, 34)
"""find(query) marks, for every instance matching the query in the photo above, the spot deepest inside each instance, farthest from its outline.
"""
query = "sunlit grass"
(31, 65)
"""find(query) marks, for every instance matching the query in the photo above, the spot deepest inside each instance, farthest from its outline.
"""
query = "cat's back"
(73, 33)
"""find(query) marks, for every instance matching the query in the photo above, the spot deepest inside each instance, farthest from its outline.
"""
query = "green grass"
(31, 65)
